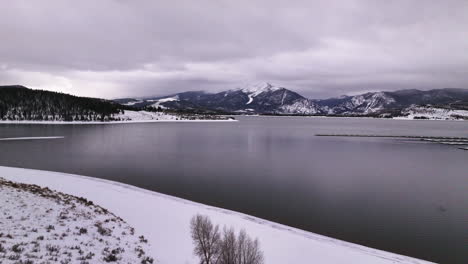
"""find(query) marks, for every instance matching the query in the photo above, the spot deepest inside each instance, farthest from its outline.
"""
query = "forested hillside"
(21, 103)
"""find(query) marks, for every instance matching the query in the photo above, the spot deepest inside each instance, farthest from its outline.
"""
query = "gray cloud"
(319, 48)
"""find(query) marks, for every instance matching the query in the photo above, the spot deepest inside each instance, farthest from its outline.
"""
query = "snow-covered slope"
(128, 115)
(433, 113)
(44, 226)
(253, 90)
(164, 220)
(363, 104)
(158, 102)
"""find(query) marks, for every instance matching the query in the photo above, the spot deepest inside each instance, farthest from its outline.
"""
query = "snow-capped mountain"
(367, 103)
(265, 98)
(254, 98)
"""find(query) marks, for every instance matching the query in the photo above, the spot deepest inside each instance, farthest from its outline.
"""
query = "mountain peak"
(258, 88)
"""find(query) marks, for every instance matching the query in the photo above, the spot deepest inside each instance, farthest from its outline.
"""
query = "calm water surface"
(398, 195)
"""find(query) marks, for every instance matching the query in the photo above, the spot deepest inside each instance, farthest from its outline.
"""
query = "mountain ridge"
(265, 98)
(21, 103)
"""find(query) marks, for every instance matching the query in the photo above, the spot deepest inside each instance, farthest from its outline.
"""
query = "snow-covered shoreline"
(399, 118)
(127, 117)
(109, 122)
(30, 138)
(164, 220)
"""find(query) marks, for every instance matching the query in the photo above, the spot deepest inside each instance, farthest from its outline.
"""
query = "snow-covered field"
(145, 116)
(130, 117)
(433, 113)
(164, 220)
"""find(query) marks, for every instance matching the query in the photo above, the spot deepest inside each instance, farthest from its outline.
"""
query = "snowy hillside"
(434, 113)
(38, 225)
(360, 104)
(253, 90)
(164, 221)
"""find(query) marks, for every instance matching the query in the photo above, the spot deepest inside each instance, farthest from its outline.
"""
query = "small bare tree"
(248, 250)
(206, 238)
(230, 249)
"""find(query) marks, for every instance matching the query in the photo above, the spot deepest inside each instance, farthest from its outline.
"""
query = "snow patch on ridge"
(133, 102)
(369, 103)
(303, 107)
(163, 100)
(254, 89)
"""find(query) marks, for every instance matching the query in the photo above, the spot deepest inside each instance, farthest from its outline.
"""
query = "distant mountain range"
(265, 98)
(21, 103)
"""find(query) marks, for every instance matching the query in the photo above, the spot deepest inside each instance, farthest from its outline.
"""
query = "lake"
(400, 195)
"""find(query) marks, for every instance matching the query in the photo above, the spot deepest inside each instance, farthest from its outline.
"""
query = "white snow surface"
(164, 220)
(434, 113)
(250, 99)
(163, 100)
(133, 102)
(45, 226)
(30, 138)
(300, 107)
(144, 116)
(127, 117)
(254, 89)
(370, 104)
(257, 88)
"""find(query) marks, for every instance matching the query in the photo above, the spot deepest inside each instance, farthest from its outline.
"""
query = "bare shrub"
(53, 249)
(83, 231)
(102, 230)
(17, 248)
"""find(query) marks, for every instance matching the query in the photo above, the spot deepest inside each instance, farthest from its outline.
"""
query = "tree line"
(21, 103)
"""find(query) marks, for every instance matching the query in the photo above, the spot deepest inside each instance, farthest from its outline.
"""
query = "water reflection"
(397, 195)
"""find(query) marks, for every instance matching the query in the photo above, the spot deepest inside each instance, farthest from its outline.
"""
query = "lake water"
(400, 195)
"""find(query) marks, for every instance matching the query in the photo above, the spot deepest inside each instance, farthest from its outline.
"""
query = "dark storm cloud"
(319, 48)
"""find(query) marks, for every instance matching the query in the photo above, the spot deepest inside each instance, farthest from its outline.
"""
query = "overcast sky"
(120, 48)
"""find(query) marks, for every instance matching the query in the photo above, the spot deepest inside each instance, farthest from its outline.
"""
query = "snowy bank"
(433, 113)
(164, 220)
(30, 138)
(39, 225)
(132, 117)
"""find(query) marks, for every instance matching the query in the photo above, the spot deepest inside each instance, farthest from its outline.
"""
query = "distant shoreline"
(30, 122)
(357, 117)
(33, 122)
